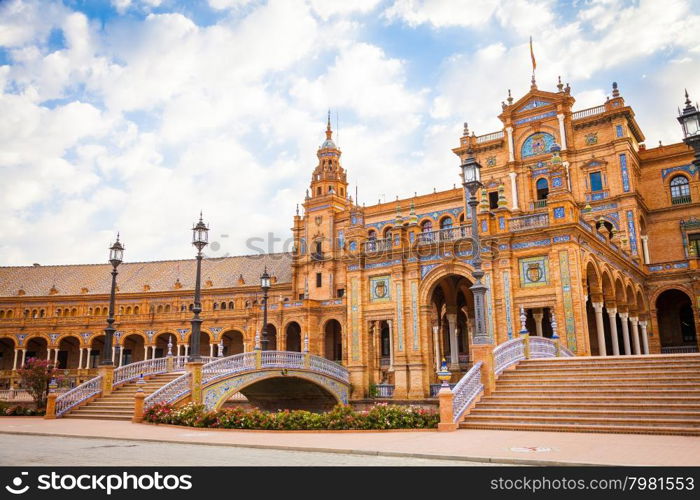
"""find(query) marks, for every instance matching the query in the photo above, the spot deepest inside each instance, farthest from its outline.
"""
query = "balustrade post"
(107, 373)
(138, 403)
(446, 400)
(307, 360)
(526, 346)
(258, 359)
(484, 353)
(51, 402)
(169, 363)
(194, 368)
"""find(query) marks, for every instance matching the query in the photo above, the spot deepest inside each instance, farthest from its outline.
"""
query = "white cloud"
(328, 8)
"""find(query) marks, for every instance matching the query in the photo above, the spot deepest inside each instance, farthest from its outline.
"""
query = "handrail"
(468, 388)
(507, 354)
(78, 394)
(170, 392)
(542, 347)
(490, 137)
(133, 371)
(446, 234)
(596, 110)
(222, 367)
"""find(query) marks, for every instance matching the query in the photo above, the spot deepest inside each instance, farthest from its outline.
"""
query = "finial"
(117, 236)
(615, 91)
(200, 216)
(560, 85)
(466, 125)
(533, 83)
(329, 132)
(567, 89)
(687, 99)
(510, 98)
(297, 209)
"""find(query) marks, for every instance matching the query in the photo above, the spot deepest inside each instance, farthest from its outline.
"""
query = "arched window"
(216, 306)
(680, 190)
(318, 191)
(542, 189)
(372, 235)
(128, 310)
(446, 223)
(167, 308)
(2, 314)
(387, 232)
(426, 226)
(9, 314)
(136, 309)
(42, 313)
(230, 305)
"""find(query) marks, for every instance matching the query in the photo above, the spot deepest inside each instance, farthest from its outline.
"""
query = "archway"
(293, 337)
(161, 344)
(133, 349)
(97, 344)
(7, 353)
(233, 342)
(453, 301)
(595, 295)
(271, 337)
(333, 340)
(36, 348)
(674, 312)
(68, 353)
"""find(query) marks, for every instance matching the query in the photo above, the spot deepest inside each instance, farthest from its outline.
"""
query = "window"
(694, 245)
(216, 306)
(301, 296)
(493, 200)
(372, 235)
(341, 292)
(680, 190)
(318, 191)
(427, 226)
(618, 130)
(542, 189)
(596, 179)
(230, 305)
(319, 280)
(446, 223)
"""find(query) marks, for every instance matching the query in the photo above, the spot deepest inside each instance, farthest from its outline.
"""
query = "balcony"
(539, 204)
(528, 222)
(681, 200)
(448, 234)
(585, 113)
(385, 391)
(317, 256)
(379, 245)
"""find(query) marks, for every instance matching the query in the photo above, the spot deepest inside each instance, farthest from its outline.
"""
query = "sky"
(131, 116)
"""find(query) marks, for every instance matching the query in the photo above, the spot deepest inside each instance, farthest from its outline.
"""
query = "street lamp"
(200, 239)
(116, 255)
(690, 121)
(471, 181)
(265, 285)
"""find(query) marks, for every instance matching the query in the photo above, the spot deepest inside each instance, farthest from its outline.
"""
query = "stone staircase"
(655, 394)
(120, 404)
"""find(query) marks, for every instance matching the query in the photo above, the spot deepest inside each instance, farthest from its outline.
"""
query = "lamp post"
(200, 239)
(116, 255)
(471, 181)
(265, 285)
(689, 119)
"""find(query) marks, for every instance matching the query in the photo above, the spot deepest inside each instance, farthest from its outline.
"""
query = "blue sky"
(132, 115)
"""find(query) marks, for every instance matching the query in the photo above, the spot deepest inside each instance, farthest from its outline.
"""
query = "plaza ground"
(465, 446)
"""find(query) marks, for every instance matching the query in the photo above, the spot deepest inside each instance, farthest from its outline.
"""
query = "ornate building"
(586, 233)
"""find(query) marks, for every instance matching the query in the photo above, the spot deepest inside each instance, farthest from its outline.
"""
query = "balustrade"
(222, 367)
(528, 222)
(75, 396)
(378, 245)
(468, 388)
(385, 391)
(447, 234)
(135, 370)
(170, 392)
(596, 110)
(490, 137)
(508, 354)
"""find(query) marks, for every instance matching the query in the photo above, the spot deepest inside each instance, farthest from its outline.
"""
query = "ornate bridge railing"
(328, 367)
(223, 367)
(77, 395)
(468, 388)
(170, 392)
(508, 354)
(135, 370)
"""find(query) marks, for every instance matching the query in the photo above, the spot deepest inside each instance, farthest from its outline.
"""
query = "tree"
(35, 376)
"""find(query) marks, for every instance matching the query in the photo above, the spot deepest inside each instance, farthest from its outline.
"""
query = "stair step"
(97, 417)
(576, 420)
(622, 384)
(612, 429)
(507, 405)
(590, 412)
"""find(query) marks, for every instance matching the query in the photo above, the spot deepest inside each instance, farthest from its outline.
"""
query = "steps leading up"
(623, 394)
(120, 404)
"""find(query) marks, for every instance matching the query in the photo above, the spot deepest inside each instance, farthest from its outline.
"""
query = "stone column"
(114, 352)
(538, 315)
(153, 352)
(598, 308)
(390, 324)
(612, 316)
(562, 131)
(121, 356)
(645, 338)
(511, 147)
(645, 248)
(454, 349)
(80, 359)
(514, 191)
(436, 346)
(145, 352)
(24, 357)
(635, 334)
(211, 350)
(625, 333)
(55, 359)
(14, 363)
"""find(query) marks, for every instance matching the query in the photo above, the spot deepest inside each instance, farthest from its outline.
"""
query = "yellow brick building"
(596, 241)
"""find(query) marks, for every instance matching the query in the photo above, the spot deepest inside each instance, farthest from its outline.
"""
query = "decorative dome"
(328, 144)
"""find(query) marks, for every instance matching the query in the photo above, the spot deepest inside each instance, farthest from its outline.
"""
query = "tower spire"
(329, 132)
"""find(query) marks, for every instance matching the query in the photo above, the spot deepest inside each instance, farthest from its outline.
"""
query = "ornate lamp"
(200, 239)
(265, 285)
(116, 256)
(444, 374)
(689, 119)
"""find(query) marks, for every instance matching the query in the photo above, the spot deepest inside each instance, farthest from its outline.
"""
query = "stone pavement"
(515, 447)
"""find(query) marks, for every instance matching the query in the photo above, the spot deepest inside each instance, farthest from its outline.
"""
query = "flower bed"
(381, 416)
(19, 411)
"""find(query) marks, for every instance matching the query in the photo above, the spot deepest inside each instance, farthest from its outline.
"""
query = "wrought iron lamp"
(200, 239)
(689, 119)
(116, 256)
(265, 286)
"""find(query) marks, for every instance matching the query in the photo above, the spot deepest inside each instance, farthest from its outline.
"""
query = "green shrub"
(341, 417)
(19, 411)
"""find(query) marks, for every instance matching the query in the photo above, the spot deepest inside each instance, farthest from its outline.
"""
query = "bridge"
(268, 379)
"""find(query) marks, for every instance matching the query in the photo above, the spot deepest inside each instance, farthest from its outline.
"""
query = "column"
(114, 352)
(121, 356)
(391, 344)
(598, 308)
(14, 363)
(187, 349)
(80, 359)
(153, 352)
(645, 248)
(625, 333)
(145, 352)
(514, 191)
(538, 315)
(436, 346)
(211, 350)
(635, 334)
(645, 339)
(511, 147)
(612, 316)
(55, 362)
(454, 354)
(562, 131)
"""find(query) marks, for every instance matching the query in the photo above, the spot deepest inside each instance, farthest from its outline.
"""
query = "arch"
(446, 222)
(97, 344)
(631, 300)
(7, 353)
(620, 296)
(679, 187)
(37, 347)
(160, 343)
(133, 348)
(68, 352)
(333, 340)
(271, 337)
(293, 337)
(676, 320)
(542, 188)
(231, 305)
(426, 225)
(233, 342)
